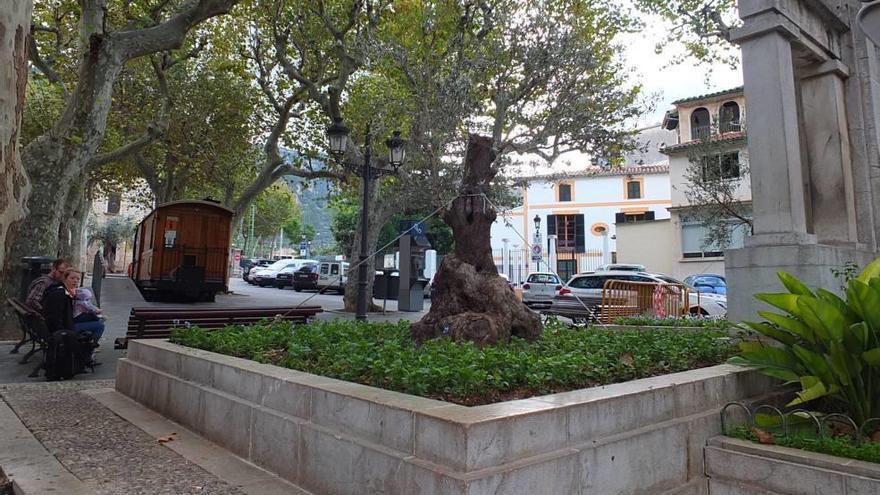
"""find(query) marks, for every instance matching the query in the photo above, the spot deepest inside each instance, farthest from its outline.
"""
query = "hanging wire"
(352, 267)
(528, 246)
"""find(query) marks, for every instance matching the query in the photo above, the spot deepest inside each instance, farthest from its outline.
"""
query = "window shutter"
(579, 238)
(551, 225)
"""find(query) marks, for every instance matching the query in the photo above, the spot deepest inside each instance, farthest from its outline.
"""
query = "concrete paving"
(101, 450)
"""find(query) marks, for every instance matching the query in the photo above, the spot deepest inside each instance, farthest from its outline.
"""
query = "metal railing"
(622, 298)
(781, 422)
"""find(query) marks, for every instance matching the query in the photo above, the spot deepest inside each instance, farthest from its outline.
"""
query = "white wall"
(598, 198)
(647, 243)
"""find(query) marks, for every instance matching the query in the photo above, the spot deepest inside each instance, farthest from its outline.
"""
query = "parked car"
(540, 288)
(267, 275)
(579, 297)
(707, 283)
(333, 275)
(249, 265)
(622, 267)
(303, 278)
(285, 277)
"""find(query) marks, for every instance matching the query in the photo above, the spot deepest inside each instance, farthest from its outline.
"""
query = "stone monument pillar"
(812, 105)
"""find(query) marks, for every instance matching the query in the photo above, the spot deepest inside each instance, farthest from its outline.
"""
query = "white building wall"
(598, 198)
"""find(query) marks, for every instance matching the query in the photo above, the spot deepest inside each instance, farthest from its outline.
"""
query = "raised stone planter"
(333, 437)
(739, 467)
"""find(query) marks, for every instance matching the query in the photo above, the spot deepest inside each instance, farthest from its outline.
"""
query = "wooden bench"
(33, 330)
(157, 322)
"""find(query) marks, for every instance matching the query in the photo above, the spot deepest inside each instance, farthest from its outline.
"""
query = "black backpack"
(64, 357)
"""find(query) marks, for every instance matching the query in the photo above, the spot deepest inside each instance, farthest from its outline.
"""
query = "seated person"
(86, 316)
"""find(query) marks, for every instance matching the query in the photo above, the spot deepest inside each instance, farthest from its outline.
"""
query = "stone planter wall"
(739, 467)
(334, 437)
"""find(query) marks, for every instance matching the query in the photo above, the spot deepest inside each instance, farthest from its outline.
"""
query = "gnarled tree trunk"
(469, 301)
(377, 216)
(15, 22)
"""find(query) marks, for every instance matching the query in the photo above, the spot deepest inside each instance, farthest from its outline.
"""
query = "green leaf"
(870, 272)
(824, 318)
(813, 362)
(785, 302)
(813, 388)
(792, 325)
(772, 332)
(794, 285)
(872, 357)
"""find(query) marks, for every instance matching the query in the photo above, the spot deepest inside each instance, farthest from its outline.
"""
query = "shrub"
(648, 321)
(828, 345)
(383, 355)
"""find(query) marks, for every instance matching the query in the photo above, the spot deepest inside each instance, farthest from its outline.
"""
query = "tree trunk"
(469, 301)
(73, 229)
(15, 186)
(376, 218)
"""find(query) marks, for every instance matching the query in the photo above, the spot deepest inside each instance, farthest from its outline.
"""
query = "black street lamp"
(338, 137)
(537, 220)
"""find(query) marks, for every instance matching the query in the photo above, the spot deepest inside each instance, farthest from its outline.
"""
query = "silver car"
(582, 295)
(540, 288)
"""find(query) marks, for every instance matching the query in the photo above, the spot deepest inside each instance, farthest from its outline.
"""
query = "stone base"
(752, 270)
(331, 437)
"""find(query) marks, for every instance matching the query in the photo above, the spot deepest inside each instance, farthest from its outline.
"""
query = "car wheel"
(698, 312)
(297, 289)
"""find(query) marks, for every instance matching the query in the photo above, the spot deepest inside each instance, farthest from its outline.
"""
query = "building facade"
(709, 156)
(577, 214)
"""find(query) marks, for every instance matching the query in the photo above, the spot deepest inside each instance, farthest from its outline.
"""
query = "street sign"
(303, 246)
(238, 256)
(536, 252)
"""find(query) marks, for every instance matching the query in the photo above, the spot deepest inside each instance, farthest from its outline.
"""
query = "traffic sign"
(536, 252)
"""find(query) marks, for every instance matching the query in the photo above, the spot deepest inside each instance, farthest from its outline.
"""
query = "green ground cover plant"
(841, 446)
(383, 355)
(648, 321)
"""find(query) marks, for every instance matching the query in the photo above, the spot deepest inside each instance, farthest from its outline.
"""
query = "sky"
(674, 82)
(661, 82)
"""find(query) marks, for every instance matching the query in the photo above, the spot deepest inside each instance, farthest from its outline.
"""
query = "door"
(324, 275)
(335, 278)
(566, 269)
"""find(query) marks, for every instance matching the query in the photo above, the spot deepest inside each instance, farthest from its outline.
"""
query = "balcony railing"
(701, 132)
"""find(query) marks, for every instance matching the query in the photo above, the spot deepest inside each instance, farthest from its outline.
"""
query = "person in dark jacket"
(58, 308)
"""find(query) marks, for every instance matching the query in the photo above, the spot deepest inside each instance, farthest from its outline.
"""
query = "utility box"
(412, 249)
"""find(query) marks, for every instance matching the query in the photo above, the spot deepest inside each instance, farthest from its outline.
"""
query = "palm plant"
(828, 345)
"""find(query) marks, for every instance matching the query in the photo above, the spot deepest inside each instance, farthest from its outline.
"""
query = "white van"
(332, 275)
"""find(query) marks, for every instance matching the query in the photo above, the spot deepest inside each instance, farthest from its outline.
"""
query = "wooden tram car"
(181, 251)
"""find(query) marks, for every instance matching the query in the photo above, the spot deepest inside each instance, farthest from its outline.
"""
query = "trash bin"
(386, 285)
(33, 267)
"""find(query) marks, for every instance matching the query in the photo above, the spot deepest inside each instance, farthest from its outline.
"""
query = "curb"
(30, 467)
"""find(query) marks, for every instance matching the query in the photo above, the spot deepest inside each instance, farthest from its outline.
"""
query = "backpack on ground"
(63, 356)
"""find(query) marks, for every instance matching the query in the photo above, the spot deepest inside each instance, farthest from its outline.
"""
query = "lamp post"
(537, 242)
(338, 137)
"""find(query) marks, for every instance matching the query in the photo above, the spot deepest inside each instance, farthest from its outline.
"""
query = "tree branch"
(43, 66)
(171, 33)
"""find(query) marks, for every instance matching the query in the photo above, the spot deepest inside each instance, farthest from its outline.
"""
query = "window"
(633, 189)
(701, 124)
(334, 269)
(719, 167)
(589, 282)
(632, 217)
(569, 232)
(325, 269)
(114, 200)
(542, 278)
(729, 118)
(693, 240)
(171, 231)
(564, 192)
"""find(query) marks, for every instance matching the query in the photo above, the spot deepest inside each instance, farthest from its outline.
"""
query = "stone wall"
(739, 467)
(333, 437)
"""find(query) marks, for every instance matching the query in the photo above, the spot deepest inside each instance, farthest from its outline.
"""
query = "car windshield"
(542, 278)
